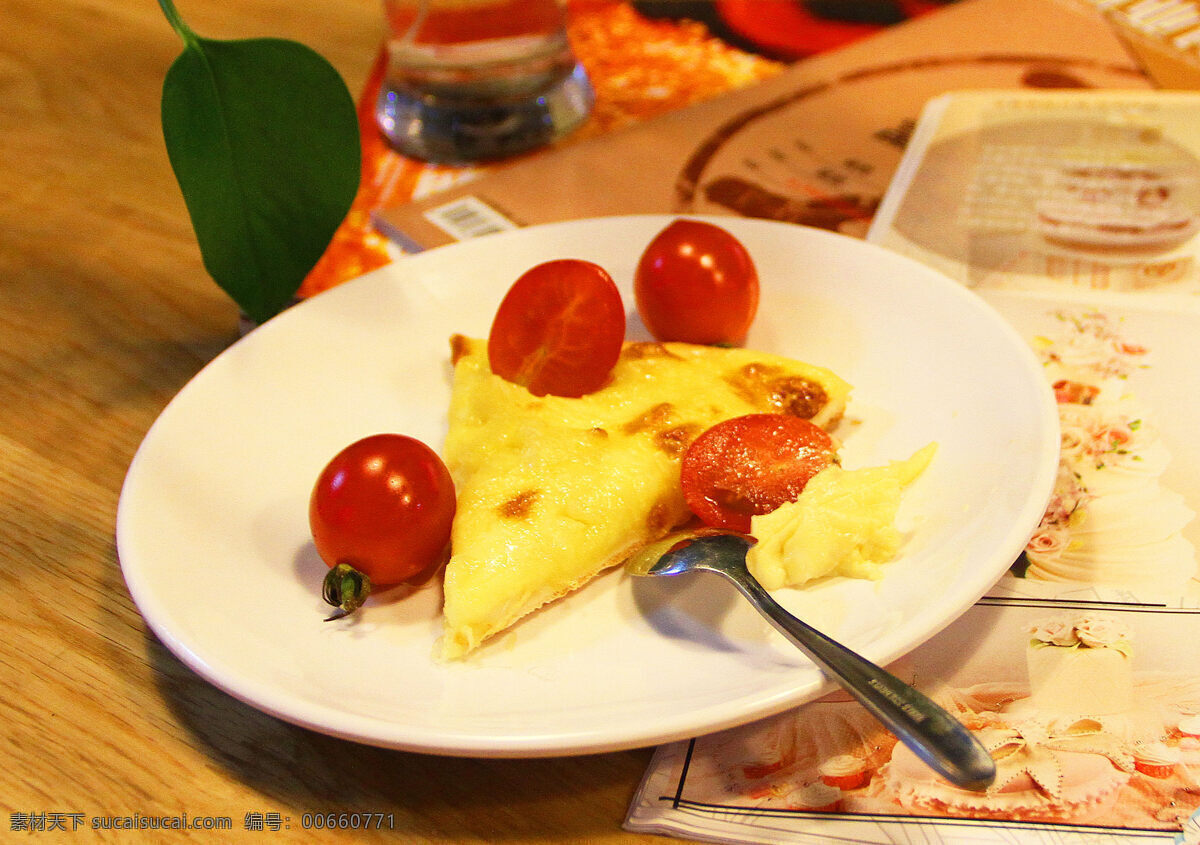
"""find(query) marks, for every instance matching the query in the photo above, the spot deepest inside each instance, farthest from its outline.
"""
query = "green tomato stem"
(346, 589)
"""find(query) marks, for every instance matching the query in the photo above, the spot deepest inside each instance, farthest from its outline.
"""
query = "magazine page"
(1054, 193)
(1075, 215)
(827, 772)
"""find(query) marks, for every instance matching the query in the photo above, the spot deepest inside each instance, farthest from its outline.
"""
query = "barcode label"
(468, 217)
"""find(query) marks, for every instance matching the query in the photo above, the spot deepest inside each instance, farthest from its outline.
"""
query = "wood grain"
(106, 312)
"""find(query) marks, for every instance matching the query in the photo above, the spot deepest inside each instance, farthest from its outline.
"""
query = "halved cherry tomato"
(380, 513)
(751, 465)
(696, 283)
(559, 329)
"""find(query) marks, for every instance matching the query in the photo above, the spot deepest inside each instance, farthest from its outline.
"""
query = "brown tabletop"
(106, 312)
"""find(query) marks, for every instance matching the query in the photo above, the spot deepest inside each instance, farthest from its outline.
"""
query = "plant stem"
(177, 22)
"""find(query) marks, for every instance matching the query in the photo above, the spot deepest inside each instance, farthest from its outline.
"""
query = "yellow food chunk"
(844, 523)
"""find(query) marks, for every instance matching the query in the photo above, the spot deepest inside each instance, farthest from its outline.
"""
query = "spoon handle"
(933, 734)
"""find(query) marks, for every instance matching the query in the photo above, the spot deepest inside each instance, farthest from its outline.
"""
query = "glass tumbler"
(473, 80)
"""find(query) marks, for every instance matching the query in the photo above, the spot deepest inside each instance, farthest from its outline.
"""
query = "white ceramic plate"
(213, 535)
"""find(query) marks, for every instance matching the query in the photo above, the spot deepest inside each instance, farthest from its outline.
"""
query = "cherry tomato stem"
(345, 588)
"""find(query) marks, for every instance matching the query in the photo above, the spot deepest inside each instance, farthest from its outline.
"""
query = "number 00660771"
(348, 821)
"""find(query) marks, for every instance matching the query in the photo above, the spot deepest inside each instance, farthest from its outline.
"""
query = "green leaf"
(263, 137)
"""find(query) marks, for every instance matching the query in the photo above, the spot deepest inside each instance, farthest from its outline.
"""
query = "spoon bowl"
(936, 737)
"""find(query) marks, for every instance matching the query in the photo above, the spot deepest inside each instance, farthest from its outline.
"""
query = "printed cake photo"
(1116, 205)
(1087, 729)
(1111, 520)
(1097, 727)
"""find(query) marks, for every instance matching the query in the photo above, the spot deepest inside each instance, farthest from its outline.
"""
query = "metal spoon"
(935, 736)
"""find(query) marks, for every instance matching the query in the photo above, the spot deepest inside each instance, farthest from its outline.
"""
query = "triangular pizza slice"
(554, 490)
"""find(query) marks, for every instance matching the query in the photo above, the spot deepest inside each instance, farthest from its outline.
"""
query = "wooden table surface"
(106, 312)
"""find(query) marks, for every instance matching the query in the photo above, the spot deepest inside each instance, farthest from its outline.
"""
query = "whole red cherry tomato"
(751, 465)
(696, 283)
(380, 514)
(559, 329)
